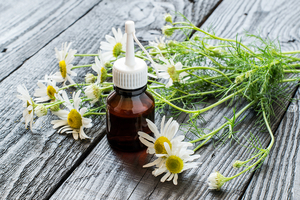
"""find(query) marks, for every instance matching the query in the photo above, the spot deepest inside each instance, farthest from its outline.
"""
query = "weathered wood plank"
(279, 178)
(27, 26)
(192, 184)
(34, 163)
(229, 18)
(94, 183)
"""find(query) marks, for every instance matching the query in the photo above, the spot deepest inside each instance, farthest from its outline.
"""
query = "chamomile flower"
(28, 104)
(46, 93)
(177, 160)
(72, 121)
(167, 30)
(158, 43)
(168, 18)
(167, 131)
(99, 67)
(90, 78)
(166, 135)
(93, 92)
(114, 45)
(168, 71)
(40, 110)
(65, 58)
(216, 180)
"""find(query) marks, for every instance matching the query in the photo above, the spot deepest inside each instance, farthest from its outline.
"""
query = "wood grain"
(34, 163)
(228, 19)
(28, 26)
(279, 178)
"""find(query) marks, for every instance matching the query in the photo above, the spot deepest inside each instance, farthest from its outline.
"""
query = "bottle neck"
(130, 93)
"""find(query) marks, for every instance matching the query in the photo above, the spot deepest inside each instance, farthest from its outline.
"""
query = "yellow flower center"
(173, 74)
(174, 164)
(51, 91)
(159, 145)
(74, 119)
(96, 91)
(63, 68)
(103, 74)
(161, 46)
(117, 49)
(28, 104)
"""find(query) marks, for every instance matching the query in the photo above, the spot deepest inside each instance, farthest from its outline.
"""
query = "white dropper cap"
(130, 72)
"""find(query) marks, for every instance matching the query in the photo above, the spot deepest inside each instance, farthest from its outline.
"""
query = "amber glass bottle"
(127, 111)
(129, 105)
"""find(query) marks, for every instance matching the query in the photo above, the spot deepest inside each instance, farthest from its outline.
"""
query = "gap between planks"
(33, 54)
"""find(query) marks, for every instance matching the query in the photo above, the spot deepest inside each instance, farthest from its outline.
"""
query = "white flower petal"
(153, 128)
(146, 136)
(163, 179)
(155, 162)
(170, 177)
(145, 142)
(175, 179)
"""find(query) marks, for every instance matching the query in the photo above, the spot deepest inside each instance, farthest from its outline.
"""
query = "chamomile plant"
(192, 71)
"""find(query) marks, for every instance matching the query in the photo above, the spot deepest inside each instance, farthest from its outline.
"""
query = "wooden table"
(43, 164)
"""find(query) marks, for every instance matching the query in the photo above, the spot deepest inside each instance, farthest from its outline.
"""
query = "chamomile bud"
(90, 78)
(217, 51)
(210, 47)
(168, 30)
(216, 180)
(168, 18)
(172, 43)
(248, 74)
(103, 74)
(93, 92)
(239, 79)
(107, 65)
(173, 74)
(55, 107)
(40, 110)
(197, 38)
(237, 164)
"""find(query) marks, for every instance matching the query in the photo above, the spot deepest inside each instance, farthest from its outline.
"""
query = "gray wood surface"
(230, 17)
(28, 26)
(279, 177)
(34, 164)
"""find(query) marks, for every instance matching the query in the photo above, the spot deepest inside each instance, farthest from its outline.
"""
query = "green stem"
(265, 153)
(211, 78)
(52, 104)
(290, 52)
(81, 66)
(107, 83)
(215, 37)
(203, 67)
(291, 71)
(203, 54)
(289, 80)
(196, 111)
(74, 85)
(93, 113)
(221, 127)
(83, 55)
(212, 83)
(293, 65)
(196, 94)
(170, 87)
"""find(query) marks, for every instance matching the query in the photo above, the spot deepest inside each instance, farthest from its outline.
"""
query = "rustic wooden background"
(42, 164)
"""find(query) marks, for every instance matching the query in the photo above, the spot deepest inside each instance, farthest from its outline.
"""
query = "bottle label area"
(122, 131)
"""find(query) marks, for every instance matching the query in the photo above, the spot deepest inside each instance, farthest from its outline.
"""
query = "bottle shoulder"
(130, 105)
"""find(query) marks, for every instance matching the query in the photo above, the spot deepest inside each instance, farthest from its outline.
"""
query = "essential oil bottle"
(129, 105)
